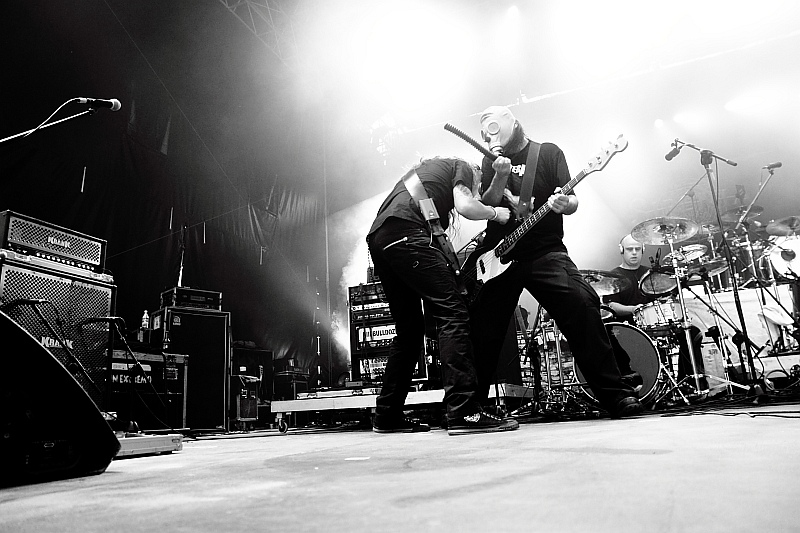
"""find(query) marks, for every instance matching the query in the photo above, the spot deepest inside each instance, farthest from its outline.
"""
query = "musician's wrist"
(494, 213)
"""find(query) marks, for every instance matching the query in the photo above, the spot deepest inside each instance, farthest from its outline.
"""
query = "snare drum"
(641, 350)
(658, 317)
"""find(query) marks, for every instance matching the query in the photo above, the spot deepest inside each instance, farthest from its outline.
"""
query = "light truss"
(271, 22)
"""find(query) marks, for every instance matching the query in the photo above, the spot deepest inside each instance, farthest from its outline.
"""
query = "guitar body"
(489, 265)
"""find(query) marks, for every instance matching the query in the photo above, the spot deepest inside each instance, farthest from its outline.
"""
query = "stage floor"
(728, 465)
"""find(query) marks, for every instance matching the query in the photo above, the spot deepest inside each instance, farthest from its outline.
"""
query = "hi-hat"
(605, 283)
(784, 226)
(662, 230)
(733, 215)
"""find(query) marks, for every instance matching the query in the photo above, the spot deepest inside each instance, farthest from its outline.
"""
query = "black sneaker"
(633, 380)
(481, 422)
(628, 406)
(398, 425)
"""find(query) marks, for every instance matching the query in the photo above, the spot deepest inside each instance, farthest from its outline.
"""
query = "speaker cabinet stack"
(51, 284)
(204, 336)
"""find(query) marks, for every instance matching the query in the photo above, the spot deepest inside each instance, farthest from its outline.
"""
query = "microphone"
(675, 151)
(773, 165)
(112, 104)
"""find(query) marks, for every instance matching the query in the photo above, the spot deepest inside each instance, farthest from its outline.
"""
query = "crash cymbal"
(662, 230)
(685, 254)
(605, 283)
(784, 226)
(733, 215)
(713, 267)
(658, 282)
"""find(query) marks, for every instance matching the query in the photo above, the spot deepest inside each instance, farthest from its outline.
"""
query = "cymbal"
(662, 230)
(713, 267)
(686, 253)
(733, 215)
(784, 226)
(708, 229)
(605, 283)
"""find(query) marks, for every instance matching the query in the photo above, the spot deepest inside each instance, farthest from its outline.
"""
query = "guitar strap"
(430, 214)
(526, 190)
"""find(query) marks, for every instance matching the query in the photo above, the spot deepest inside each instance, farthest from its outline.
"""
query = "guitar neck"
(512, 238)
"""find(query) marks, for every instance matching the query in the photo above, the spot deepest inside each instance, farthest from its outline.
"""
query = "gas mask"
(497, 128)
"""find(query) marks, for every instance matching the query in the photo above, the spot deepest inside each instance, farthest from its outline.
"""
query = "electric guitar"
(490, 264)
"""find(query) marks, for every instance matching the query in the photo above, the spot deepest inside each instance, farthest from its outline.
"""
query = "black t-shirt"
(439, 177)
(551, 172)
(632, 295)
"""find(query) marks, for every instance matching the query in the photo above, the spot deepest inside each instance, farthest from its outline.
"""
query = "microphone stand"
(706, 157)
(26, 133)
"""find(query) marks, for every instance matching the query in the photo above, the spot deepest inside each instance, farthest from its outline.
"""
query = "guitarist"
(413, 268)
(541, 263)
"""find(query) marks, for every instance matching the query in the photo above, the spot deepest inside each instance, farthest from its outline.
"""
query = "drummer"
(625, 303)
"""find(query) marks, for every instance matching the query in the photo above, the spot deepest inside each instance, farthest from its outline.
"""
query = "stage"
(724, 465)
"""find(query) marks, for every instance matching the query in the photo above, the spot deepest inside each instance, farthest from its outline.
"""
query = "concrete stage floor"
(730, 466)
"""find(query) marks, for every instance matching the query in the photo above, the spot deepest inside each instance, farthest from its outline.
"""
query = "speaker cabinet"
(67, 300)
(203, 335)
(49, 426)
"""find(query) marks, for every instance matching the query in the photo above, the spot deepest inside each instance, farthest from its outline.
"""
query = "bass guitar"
(483, 265)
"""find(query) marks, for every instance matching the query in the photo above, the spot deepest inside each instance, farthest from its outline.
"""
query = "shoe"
(480, 422)
(398, 425)
(633, 380)
(628, 406)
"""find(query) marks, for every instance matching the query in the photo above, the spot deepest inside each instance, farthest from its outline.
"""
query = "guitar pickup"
(482, 267)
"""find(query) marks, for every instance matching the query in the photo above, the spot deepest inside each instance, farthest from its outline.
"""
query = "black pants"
(555, 282)
(412, 270)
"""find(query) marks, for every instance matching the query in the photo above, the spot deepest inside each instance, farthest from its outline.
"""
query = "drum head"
(657, 283)
(629, 341)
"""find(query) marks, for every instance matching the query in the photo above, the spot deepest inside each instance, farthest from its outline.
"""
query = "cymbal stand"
(679, 274)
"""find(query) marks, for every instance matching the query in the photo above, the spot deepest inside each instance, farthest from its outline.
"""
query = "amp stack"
(52, 283)
(191, 322)
(372, 329)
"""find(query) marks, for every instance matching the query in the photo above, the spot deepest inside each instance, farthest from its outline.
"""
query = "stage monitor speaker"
(49, 426)
(67, 301)
(203, 335)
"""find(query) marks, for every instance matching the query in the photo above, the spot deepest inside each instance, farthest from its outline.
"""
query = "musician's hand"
(503, 214)
(558, 202)
(502, 166)
(512, 200)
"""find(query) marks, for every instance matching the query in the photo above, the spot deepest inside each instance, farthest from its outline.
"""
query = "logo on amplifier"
(49, 342)
(56, 242)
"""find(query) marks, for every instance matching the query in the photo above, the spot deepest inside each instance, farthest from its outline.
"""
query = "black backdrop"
(172, 166)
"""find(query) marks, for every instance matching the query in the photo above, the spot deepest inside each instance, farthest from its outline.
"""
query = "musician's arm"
(472, 208)
(493, 194)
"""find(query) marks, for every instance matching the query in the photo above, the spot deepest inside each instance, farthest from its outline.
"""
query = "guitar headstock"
(601, 159)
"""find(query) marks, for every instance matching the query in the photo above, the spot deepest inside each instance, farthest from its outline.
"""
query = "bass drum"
(785, 257)
(629, 341)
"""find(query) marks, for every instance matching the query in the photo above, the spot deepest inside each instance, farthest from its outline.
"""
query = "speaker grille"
(68, 302)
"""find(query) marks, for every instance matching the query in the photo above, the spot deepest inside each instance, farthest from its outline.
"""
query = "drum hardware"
(670, 231)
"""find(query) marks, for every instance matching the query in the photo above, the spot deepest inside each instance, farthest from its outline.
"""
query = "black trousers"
(557, 285)
(412, 270)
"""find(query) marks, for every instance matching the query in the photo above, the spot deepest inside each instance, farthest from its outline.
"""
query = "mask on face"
(497, 127)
